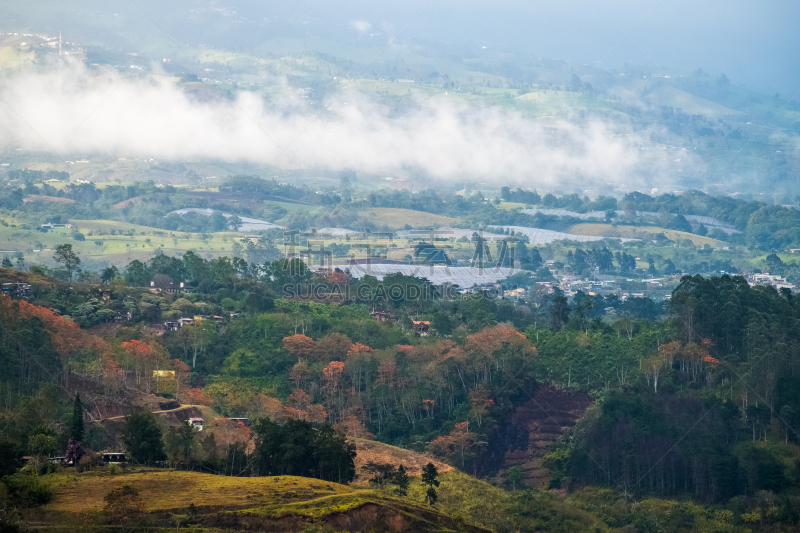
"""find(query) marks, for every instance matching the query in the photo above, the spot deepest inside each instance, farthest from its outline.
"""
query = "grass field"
(172, 489)
(397, 218)
(462, 500)
(641, 232)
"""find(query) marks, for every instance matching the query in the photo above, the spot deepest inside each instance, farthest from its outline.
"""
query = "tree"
(297, 449)
(42, 444)
(7, 263)
(68, 259)
(180, 443)
(332, 347)
(217, 221)
(76, 429)
(9, 456)
(109, 274)
(429, 478)
(402, 480)
(298, 345)
(142, 438)
(514, 476)
(234, 222)
(74, 451)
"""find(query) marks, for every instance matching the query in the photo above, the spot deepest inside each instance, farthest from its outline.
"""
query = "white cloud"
(434, 138)
(361, 26)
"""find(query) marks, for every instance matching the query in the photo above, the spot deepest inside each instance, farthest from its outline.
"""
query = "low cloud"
(437, 138)
(361, 26)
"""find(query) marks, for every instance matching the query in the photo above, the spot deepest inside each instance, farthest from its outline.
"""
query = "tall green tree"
(180, 443)
(429, 478)
(67, 258)
(76, 429)
(402, 480)
(142, 438)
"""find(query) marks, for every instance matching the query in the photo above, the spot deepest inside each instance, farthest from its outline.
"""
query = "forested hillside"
(698, 401)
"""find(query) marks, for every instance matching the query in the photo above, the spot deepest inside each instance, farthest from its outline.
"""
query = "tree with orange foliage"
(141, 354)
(359, 366)
(299, 374)
(67, 338)
(181, 380)
(351, 426)
(494, 352)
(481, 403)
(332, 374)
(271, 408)
(358, 349)
(387, 371)
(427, 406)
(338, 278)
(460, 441)
(298, 345)
(301, 408)
(299, 399)
(198, 397)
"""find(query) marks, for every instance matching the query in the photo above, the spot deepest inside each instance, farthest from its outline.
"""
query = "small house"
(244, 421)
(382, 316)
(114, 458)
(196, 423)
(421, 327)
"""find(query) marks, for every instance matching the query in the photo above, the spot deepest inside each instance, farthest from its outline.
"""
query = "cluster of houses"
(767, 279)
(174, 325)
(16, 289)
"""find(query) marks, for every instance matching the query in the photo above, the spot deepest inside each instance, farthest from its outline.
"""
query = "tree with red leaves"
(298, 345)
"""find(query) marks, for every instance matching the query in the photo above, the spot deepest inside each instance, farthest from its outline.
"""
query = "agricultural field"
(641, 232)
(397, 218)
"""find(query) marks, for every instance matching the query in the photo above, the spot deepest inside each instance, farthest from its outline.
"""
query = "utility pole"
(59, 42)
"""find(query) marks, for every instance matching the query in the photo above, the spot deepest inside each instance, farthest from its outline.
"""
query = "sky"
(753, 43)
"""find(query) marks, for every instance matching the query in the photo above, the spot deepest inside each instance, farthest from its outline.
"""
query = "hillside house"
(171, 287)
(382, 316)
(158, 329)
(196, 423)
(113, 458)
(421, 327)
(51, 226)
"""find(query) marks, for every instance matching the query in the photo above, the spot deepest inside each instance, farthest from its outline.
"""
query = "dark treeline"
(697, 396)
(724, 393)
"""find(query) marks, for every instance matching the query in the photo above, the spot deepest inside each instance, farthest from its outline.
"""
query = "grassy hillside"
(170, 489)
(284, 503)
(370, 451)
(292, 503)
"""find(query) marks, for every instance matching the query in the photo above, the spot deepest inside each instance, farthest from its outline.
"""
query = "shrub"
(27, 490)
